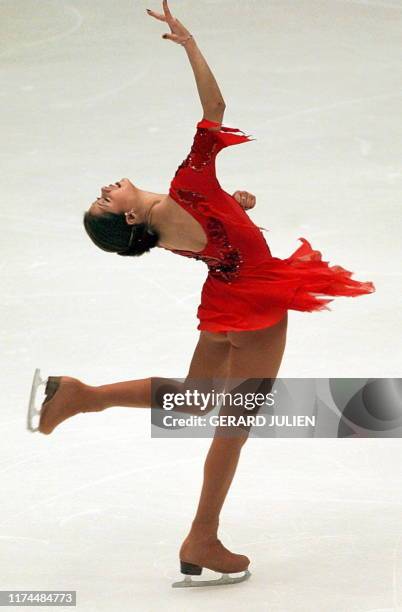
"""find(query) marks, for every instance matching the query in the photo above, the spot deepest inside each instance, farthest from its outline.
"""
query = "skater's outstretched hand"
(246, 200)
(179, 33)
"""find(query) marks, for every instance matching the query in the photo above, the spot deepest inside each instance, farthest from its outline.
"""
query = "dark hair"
(110, 232)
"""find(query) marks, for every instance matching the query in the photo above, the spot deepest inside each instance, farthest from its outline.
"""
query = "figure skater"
(244, 305)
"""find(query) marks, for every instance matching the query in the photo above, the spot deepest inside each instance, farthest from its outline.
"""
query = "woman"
(244, 304)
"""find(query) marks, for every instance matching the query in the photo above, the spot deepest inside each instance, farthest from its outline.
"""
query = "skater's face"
(117, 198)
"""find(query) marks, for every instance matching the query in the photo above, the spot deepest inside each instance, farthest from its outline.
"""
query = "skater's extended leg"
(209, 363)
(251, 355)
(73, 396)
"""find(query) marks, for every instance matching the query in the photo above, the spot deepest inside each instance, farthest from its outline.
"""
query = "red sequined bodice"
(233, 239)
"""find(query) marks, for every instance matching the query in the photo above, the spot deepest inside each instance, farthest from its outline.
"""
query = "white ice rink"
(90, 94)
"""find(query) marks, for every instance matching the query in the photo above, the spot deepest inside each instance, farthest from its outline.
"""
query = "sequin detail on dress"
(227, 266)
(193, 199)
(202, 150)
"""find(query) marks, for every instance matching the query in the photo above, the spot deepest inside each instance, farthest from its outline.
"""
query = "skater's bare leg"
(73, 396)
(210, 360)
(202, 546)
(251, 355)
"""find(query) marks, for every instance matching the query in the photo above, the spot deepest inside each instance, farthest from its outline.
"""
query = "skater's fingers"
(156, 15)
(247, 200)
(167, 12)
(173, 37)
(238, 196)
(244, 198)
(251, 200)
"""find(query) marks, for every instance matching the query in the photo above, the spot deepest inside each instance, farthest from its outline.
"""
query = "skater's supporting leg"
(219, 468)
(257, 354)
(251, 355)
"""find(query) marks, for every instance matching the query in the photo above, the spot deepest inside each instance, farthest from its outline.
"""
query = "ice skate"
(50, 414)
(195, 570)
(213, 556)
(33, 411)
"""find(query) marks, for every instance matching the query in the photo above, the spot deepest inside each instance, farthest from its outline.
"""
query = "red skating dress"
(247, 288)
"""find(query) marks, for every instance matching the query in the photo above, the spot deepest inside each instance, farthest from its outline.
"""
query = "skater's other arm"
(211, 98)
(246, 199)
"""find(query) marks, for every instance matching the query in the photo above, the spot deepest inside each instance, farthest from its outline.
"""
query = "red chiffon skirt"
(263, 293)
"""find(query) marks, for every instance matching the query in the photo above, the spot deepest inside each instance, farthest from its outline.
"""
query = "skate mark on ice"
(372, 3)
(325, 107)
(99, 481)
(93, 100)
(15, 538)
(397, 580)
(49, 39)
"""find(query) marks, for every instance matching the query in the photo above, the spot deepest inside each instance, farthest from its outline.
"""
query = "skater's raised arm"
(211, 98)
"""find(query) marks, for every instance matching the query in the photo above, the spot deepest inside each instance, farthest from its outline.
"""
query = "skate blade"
(33, 412)
(224, 579)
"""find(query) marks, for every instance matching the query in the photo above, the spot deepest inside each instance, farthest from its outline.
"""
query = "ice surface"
(90, 94)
